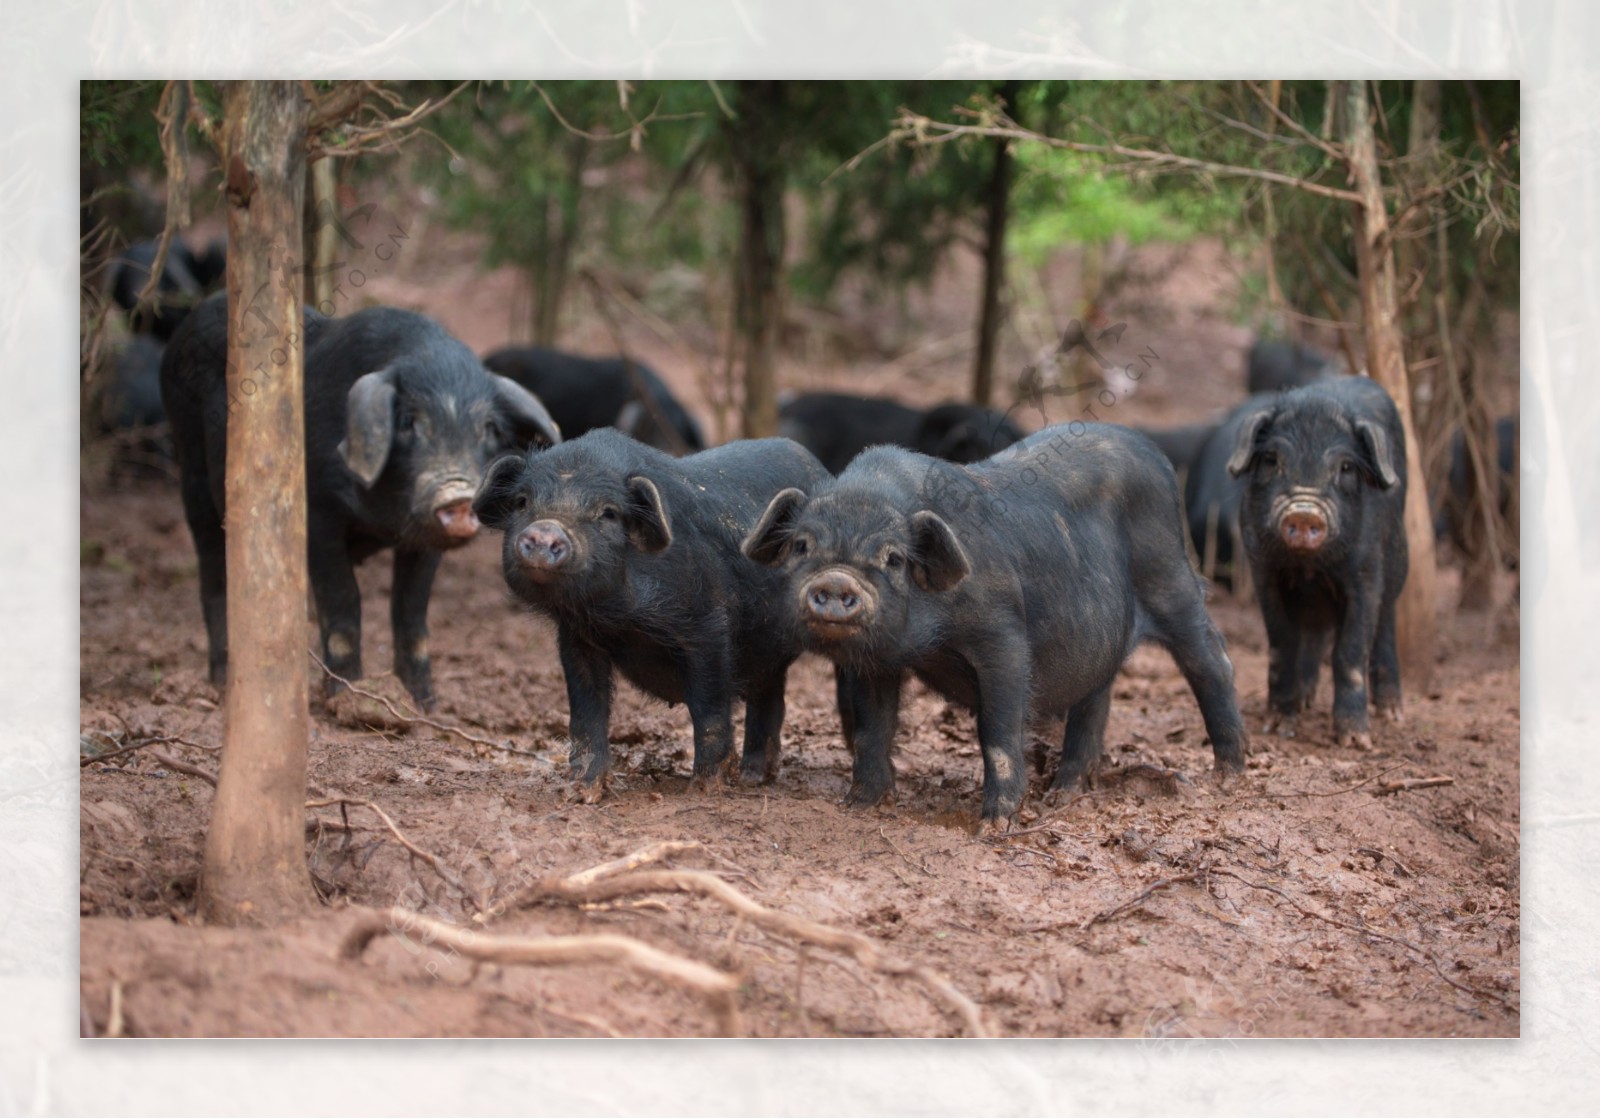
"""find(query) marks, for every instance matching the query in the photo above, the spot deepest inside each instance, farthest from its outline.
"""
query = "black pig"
(1322, 519)
(1275, 366)
(584, 393)
(635, 555)
(400, 419)
(1016, 587)
(837, 426)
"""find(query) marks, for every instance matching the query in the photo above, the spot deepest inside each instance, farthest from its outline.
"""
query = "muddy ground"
(1308, 897)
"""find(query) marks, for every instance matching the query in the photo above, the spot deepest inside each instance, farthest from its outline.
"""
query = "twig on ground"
(1132, 903)
(158, 740)
(865, 951)
(908, 860)
(114, 1019)
(1323, 792)
(1378, 856)
(717, 988)
(1389, 788)
(410, 717)
(450, 877)
(184, 767)
(1432, 959)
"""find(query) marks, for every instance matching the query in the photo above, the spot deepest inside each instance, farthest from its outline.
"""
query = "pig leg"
(1385, 665)
(1352, 652)
(1002, 714)
(589, 684)
(847, 714)
(333, 585)
(874, 706)
(763, 729)
(1185, 628)
(708, 693)
(1283, 661)
(408, 613)
(209, 544)
(1313, 651)
(1084, 739)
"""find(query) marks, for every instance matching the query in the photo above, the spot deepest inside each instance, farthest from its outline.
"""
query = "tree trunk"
(998, 202)
(321, 233)
(760, 267)
(255, 859)
(1386, 363)
(562, 210)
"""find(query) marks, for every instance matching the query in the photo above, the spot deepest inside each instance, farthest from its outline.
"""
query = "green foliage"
(117, 125)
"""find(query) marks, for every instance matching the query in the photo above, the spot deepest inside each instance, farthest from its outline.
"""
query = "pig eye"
(894, 560)
(405, 423)
(1347, 467)
(1269, 459)
(799, 547)
(609, 513)
(491, 433)
(521, 503)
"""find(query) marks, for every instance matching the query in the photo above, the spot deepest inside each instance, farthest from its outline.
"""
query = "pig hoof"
(991, 829)
(1059, 794)
(1284, 726)
(588, 792)
(861, 797)
(758, 774)
(1392, 713)
(1359, 739)
(713, 782)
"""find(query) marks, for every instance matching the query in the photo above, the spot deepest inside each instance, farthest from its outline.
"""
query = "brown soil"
(1300, 899)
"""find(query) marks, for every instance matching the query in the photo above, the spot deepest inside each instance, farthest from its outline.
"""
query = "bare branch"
(918, 129)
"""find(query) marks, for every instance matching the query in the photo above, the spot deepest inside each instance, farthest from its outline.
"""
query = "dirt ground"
(1319, 894)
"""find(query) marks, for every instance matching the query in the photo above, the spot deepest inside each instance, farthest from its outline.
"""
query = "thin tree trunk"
(321, 232)
(562, 235)
(1386, 363)
(760, 251)
(255, 858)
(998, 203)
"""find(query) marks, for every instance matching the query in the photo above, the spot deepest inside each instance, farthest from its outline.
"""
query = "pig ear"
(649, 529)
(767, 540)
(1376, 443)
(369, 425)
(527, 413)
(493, 502)
(1244, 451)
(938, 561)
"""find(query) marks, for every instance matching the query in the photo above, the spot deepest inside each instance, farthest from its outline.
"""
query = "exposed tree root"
(716, 987)
(865, 951)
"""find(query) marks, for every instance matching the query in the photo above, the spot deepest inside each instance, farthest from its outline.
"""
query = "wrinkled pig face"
(570, 523)
(422, 441)
(1310, 470)
(855, 565)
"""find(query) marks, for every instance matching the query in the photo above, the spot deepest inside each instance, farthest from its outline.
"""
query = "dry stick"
(159, 740)
(1364, 931)
(718, 988)
(1132, 903)
(654, 853)
(1325, 792)
(450, 877)
(413, 717)
(1388, 788)
(904, 856)
(114, 1020)
(184, 767)
(863, 949)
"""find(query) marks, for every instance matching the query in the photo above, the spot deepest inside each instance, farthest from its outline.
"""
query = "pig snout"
(1303, 527)
(457, 520)
(835, 599)
(543, 547)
